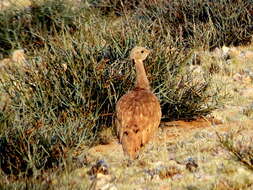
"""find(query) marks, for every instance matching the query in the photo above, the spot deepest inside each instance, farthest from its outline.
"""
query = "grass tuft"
(238, 145)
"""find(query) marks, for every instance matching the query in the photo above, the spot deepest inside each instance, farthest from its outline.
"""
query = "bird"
(138, 112)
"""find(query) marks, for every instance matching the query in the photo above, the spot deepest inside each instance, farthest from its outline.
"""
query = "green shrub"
(212, 23)
(31, 27)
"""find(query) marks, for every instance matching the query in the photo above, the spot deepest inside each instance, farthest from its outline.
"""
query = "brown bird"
(138, 112)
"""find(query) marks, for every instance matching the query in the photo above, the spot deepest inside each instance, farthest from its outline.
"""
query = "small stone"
(100, 167)
(237, 77)
(191, 165)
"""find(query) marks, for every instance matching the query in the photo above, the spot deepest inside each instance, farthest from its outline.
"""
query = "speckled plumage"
(138, 112)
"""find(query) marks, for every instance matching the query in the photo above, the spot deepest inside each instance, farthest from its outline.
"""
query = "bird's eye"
(142, 51)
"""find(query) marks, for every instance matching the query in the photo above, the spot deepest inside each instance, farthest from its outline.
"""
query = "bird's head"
(139, 53)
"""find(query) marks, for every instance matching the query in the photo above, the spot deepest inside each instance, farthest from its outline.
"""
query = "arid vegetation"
(59, 90)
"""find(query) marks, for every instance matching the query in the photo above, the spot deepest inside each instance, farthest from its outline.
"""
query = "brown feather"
(138, 112)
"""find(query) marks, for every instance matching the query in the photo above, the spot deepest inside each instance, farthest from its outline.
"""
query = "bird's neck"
(141, 77)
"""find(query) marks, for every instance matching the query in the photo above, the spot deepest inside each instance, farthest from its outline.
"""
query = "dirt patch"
(167, 132)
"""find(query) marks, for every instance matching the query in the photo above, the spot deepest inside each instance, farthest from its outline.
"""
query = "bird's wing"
(141, 110)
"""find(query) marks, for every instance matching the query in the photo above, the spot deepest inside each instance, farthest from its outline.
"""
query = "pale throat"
(141, 77)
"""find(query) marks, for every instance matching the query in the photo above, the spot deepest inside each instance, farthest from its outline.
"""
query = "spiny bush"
(117, 7)
(32, 26)
(22, 152)
(213, 23)
(69, 87)
(239, 145)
